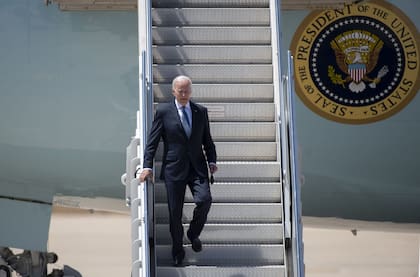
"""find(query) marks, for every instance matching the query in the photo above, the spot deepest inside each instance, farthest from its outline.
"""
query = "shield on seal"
(357, 71)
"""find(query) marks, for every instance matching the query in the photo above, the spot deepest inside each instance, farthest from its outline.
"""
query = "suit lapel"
(194, 113)
(174, 114)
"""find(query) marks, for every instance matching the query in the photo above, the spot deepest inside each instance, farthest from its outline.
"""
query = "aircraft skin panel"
(36, 173)
(368, 172)
(68, 101)
(358, 200)
(24, 224)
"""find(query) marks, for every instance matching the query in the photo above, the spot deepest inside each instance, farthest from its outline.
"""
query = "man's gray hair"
(179, 78)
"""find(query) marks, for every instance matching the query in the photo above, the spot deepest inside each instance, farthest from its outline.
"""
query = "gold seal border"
(385, 13)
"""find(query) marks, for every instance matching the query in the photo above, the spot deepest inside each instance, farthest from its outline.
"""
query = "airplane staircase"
(225, 47)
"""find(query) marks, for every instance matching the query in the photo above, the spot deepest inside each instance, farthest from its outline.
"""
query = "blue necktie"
(186, 122)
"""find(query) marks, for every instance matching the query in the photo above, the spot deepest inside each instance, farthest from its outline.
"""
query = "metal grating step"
(226, 255)
(233, 193)
(229, 234)
(228, 213)
(247, 151)
(243, 171)
(214, 73)
(219, 92)
(248, 171)
(211, 35)
(211, 17)
(219, 271)
(209, 4)
(216, 54)
(243, 131)
(240, 112)
(239, 151)
(229, 112)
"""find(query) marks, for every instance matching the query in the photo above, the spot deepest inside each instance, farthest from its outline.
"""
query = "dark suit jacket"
(180, 152)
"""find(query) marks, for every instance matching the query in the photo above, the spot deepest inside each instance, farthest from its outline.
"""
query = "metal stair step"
(211, 16)
(232, 192)
(220, 271)
(226, 255)
(214, 54)
(248, 171)
(243, 131)
(240, 151)
(229, 233)
(211, 35)
(246, 151)
(209, 4)
(214, 73)
(219, 92)
(228, 213)
(240, 111)
(230, 112)
(242, 171)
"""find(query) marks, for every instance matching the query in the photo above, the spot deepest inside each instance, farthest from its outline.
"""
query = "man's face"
(182, 91)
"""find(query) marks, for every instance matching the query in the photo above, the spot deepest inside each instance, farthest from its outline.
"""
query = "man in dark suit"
(189, 153)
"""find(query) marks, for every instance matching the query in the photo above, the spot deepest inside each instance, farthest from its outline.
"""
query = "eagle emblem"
(356, 53)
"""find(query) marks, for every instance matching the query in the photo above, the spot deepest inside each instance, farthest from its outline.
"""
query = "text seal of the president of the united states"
(357, 64)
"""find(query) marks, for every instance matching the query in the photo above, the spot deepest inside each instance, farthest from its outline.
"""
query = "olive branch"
(335, 78)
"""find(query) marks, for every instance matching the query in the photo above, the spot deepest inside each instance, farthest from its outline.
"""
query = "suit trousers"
(200, 190)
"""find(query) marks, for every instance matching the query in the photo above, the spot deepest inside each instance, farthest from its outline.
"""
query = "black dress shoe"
(179, 258)
(196, 245)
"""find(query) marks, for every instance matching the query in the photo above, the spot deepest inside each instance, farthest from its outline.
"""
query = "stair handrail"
(140, 195)
(141, 203)
(286, 150)
(295, 174)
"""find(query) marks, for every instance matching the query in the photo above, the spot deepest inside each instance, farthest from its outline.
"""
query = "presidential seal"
(358, 64)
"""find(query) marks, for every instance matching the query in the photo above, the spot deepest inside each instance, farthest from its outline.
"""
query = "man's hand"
(213, 168)
(145, 174)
